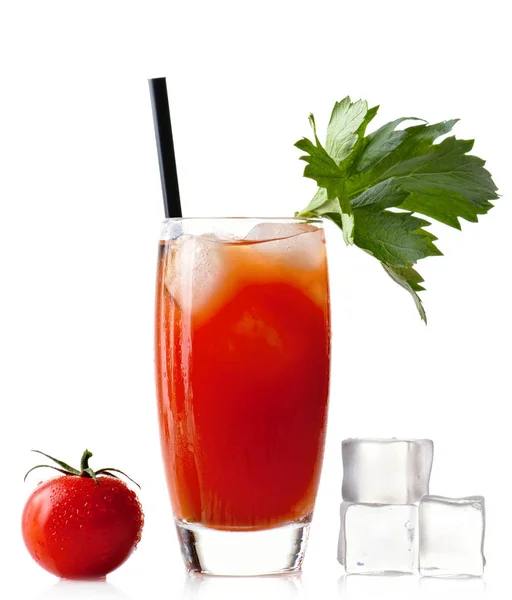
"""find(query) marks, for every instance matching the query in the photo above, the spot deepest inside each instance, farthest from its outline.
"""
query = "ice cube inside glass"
(378, 538)
(452, 536)
(386, 471)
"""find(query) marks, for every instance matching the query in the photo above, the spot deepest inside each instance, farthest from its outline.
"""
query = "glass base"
(243, 553)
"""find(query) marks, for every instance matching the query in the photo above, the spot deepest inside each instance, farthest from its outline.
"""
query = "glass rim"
(274, 219)
(173, 227)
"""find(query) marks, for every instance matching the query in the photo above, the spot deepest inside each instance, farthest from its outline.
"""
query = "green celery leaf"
(381, 143)
(317, 203)
(321, 166)
(347, 165)
(450, 185)
(324, 170)
(346, 119)
(395, 238)
(413, 278)
(444, 205)
(417, 142)
(383, 195)
(370, 186)
(410, 280)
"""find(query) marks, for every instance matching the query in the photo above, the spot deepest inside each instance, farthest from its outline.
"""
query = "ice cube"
(378, 538)
(299, 245)
(452, 536)
(263, 232)
(386, 471)
(220, 236)
(195, 272)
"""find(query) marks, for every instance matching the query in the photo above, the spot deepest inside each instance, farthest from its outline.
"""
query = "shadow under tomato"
(88, 588)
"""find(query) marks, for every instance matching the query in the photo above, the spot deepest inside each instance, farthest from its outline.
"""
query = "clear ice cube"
(378, 538)
(386, 471)
(452, 536)
(195, 272)
(278, 230)
(299, 245)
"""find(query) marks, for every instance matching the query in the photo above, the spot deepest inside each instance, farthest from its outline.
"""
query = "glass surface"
(242, 367)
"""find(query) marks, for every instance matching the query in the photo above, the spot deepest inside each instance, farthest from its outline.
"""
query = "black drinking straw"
(165, 147)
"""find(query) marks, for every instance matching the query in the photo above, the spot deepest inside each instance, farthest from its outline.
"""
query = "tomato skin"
(75, 528)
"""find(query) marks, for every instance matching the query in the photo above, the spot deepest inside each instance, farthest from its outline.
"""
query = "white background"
(79, 222)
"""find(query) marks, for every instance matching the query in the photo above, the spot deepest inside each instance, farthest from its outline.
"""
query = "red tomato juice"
(242, 368)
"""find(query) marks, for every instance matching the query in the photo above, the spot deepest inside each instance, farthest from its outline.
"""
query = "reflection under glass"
(201, 587)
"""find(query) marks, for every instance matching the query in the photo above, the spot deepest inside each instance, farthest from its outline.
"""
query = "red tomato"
(76, 527)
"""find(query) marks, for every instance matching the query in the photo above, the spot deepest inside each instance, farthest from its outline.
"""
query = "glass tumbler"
(242, 354)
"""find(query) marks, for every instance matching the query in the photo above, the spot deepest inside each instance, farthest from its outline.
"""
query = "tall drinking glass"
(242, 368)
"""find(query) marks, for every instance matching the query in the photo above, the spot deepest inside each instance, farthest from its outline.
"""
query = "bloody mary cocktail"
(242, 368)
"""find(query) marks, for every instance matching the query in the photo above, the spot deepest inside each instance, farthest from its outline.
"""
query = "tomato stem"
(85, 470)
(84, 462)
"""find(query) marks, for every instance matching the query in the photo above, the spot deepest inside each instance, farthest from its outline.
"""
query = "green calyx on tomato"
(84, 471)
